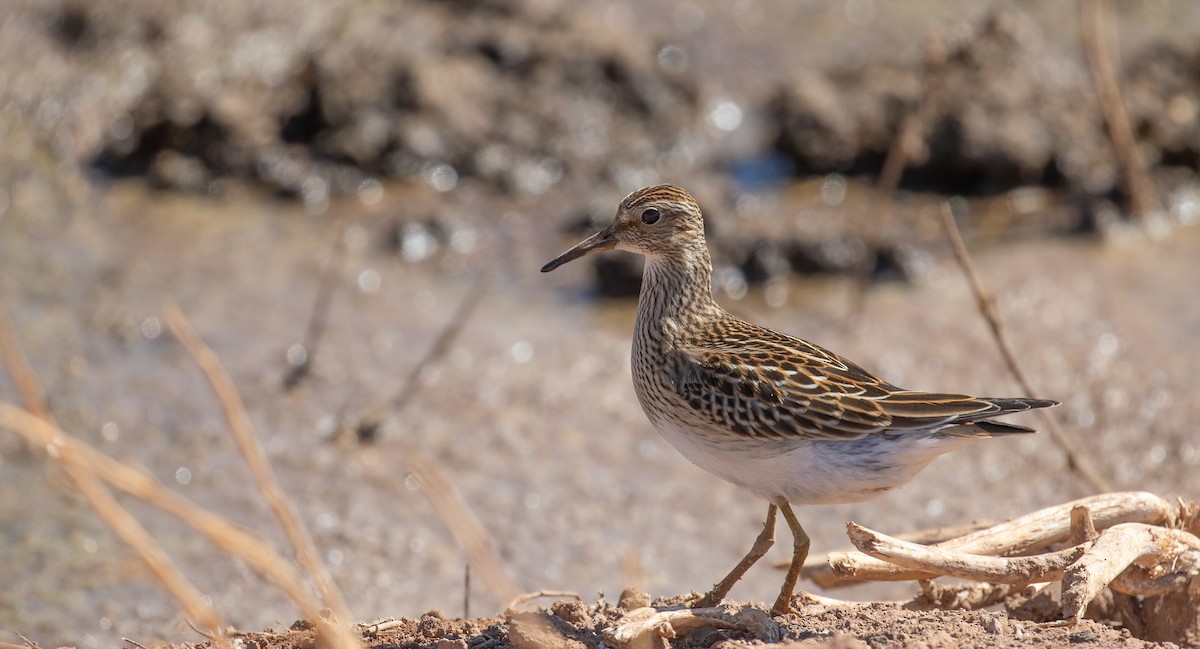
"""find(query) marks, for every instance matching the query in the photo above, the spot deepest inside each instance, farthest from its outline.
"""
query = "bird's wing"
(759, 383)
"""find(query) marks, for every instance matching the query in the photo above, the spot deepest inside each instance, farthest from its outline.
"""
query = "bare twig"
(465, 528)
(42, 435)
(330, 272)
(1098, 32)
(372, 417)
(21, 372)
(467, 591)
(951, 563)
(987, 308)
(256, 458)
(226, 536)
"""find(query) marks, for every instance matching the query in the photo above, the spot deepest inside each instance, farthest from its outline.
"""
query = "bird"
(786, 419)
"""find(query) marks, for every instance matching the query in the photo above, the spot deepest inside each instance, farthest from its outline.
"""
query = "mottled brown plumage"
(787, 419)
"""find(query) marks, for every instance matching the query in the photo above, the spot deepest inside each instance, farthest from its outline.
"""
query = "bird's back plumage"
(761, 383)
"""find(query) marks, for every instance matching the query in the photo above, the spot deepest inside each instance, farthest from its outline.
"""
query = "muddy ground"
(211, 156)
(574, 625)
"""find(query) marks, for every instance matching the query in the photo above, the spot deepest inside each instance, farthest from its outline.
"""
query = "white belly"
(811, 472)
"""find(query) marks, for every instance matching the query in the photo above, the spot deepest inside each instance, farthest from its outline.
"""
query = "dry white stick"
(951, 563)
(1119, 548)
(1020, 535)
(648, 628)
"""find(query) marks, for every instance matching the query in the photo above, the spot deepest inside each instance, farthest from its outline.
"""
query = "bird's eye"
(650, 216)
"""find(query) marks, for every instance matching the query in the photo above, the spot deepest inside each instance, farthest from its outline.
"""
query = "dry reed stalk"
(226, 536)
(987, 308)
(42, 435)
(465, 528)
(123, 524)
(21, 372)
(1098, 33)
(260, 467)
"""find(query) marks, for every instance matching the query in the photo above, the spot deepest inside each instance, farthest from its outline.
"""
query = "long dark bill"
(602, 240)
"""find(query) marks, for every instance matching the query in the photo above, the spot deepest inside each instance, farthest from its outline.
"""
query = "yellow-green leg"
(766, 538)
(800, 545)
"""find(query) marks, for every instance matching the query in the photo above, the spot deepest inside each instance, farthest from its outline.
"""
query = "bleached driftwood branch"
(1156, 554)
(1020, 535)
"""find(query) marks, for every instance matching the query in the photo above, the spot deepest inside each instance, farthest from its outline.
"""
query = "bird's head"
(659, 221)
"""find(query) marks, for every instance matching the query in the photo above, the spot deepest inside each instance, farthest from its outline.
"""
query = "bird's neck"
(676, 291)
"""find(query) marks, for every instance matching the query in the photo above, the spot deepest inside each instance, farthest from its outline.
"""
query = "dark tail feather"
(1007, 406)
(1001, 428)
(988, 428)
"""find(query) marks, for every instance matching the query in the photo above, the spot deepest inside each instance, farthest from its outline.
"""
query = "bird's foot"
(782, 606)
(709, 600)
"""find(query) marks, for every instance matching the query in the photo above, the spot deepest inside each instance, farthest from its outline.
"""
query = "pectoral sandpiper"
(784, 418)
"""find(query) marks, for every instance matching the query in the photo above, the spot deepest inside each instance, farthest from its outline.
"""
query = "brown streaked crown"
(664, 193)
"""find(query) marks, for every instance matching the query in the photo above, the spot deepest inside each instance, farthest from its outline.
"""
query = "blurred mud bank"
(520, 96)
(575, 103)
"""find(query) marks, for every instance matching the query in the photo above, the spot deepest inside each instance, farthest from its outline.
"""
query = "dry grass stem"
(1097, 29)
(372, 417)
(987, 308)
(21, 372)
(43, 435)
(247, 441)
(226, 536)
(1024, 534)
(331, 270)
(465, 528)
